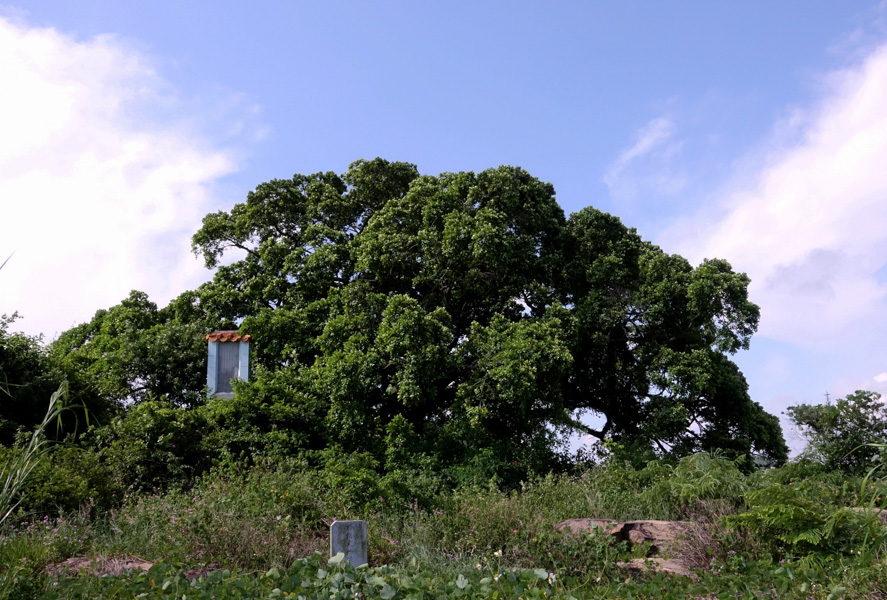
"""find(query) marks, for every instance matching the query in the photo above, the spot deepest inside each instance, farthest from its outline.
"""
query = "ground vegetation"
(246, 531)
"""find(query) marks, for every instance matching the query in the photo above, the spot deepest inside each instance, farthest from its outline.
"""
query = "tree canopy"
(840, 435)
(26, 380)
(464, 316)
(133, 351)
(29, 375)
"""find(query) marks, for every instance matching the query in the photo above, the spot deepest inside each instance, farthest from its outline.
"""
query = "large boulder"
(661, 535)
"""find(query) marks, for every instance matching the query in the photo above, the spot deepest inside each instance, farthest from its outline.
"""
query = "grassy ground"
(772, 534)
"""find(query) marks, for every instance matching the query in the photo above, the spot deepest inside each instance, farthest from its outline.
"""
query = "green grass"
(254, 520)
(316, 577)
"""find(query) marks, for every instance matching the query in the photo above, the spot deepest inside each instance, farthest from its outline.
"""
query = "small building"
(227, 360)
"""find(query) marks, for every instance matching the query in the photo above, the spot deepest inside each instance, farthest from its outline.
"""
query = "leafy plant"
(698, 477)
(20, 463)
(67, 478)
(802, 518)
(316, 577)
(848, 435)
(470, 308)
(152, 446)
(27, 378)
(17, 468)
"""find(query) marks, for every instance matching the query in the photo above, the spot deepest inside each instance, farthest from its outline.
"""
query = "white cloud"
(654, 134)
(97, 196)
(881, 378)
(809, 225)
(633, 170)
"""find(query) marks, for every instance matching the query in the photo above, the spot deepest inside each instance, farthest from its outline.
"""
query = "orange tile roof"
(227, 336)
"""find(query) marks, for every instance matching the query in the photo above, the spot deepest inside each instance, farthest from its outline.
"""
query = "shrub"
(248, 520)
(66, 479)
(847, 435)
(804, 518)
(698, 477)
(153, 446)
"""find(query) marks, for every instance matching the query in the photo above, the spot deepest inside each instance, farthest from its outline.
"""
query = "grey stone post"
(349, 537)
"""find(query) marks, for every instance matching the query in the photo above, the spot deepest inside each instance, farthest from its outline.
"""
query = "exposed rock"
(98, 566)
(877, 512)
(661, 535)
(610, 526)
(644, 565)
(104, 565)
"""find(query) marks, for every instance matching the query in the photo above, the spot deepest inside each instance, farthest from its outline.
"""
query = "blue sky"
(755, 132)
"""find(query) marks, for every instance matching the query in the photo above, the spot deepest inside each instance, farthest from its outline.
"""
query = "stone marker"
(349, 537)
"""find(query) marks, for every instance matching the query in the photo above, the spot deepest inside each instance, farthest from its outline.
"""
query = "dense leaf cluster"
(29, 375)
(452, 314)
(849, 435)
(26, 380)
(459, 321)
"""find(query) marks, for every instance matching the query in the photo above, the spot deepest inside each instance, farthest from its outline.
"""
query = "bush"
(250, 518)
(153, 446)
(66, 479)
(698, 477)
(845, 435)
(804, 518)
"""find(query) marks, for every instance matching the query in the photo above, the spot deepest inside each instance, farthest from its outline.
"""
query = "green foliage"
(249, 520)
(152, 446)
(845, 435)
(459, 324)
(17, 468)
(473, 541)
(133, 352)
(29, 544)
(27, 379)
(67, 478)
(424, 345)
(801, 468)
(24, 458)
(269, 417)
(468, 310)
(808, 517)
(331, 579)
(353, 477)
(698, 477)
(313, 577)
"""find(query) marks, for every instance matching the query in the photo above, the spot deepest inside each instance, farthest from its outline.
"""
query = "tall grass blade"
(22, 461)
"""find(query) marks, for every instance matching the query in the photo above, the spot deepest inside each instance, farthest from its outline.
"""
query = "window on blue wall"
(229, 363)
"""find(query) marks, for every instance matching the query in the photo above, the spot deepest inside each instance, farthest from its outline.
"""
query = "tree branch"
(599, 434)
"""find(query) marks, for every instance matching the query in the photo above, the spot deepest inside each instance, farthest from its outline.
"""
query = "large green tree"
(840, 434)
(464, 316)
(29, 375)
(27, 380)
(134, 351)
